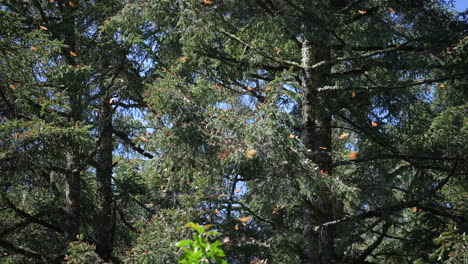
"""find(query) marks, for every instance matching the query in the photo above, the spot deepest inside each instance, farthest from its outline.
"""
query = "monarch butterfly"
(344, 135)
(251, 153)
(244, 219)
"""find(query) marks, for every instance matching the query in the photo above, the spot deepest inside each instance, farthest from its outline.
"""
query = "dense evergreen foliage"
(300, 131)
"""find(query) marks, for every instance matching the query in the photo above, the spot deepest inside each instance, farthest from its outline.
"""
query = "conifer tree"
(354, 71)
(304, 131)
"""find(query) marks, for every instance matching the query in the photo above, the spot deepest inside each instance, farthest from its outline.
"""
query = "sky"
(461, 5)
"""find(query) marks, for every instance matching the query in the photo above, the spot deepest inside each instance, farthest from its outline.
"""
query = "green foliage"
(453, 247)
(205, 122)
(200, 250)
(157, 237)
(81, 252)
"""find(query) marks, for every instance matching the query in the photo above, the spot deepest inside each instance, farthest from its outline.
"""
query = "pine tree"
(354, 70)
(305, 131)
(75, 70)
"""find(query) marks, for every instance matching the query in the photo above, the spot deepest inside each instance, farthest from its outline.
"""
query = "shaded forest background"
(325, 131)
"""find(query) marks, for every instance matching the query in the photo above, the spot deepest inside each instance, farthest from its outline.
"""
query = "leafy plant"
(82, 252)
(453, 247)
(200, 249)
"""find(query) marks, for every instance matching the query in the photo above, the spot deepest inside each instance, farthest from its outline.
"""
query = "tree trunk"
(316, 136)
(103, 233)
(73, 176)
(72, 197)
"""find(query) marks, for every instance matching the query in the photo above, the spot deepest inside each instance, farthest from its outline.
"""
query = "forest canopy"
(226, 131)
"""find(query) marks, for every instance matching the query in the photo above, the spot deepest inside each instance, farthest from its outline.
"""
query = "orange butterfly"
(244, 220)
(344, 135)
(251, 153)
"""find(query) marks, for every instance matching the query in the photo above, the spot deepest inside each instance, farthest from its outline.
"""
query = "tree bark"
(73, 176)
(316, 136)
(72, 196)
(103, 233)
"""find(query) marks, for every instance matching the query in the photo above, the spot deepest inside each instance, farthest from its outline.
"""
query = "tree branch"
(31, 218)
(395, 156)
(373, 246)
(264, 53)
(374, 213)
(28, 253)
(400, 85)
(128, 141)
(34, 219)
(358, 57)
